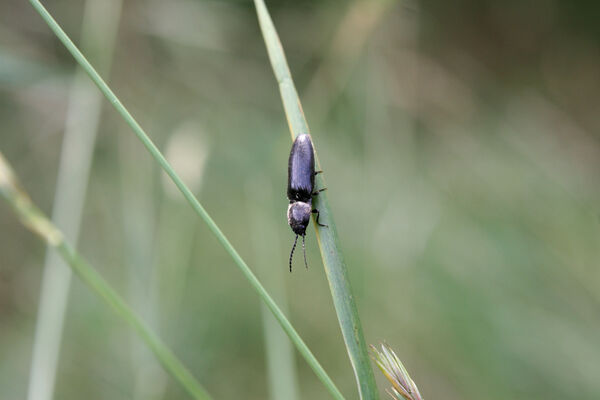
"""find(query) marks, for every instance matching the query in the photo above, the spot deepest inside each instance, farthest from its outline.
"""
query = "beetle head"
(299, 216)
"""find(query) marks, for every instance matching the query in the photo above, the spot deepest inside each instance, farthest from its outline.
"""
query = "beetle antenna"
(292, 252)
(304, 251)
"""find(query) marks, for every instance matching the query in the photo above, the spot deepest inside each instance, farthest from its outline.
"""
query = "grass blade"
(327, 237)
(100, 24)
(35, 220)
(280, 357)
(189, 196)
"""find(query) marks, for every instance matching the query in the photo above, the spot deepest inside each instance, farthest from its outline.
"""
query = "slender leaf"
(189, 196)
(100, 25)
(333, 261)
(35, 220)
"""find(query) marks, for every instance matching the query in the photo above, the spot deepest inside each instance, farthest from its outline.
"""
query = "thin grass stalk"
(99, 25)
(36, 221)
(189, 196)
(280, 357)
(339, 59)
(333, 262)
(139, 227)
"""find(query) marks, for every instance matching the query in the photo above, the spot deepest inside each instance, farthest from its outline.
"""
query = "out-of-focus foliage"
(460, 142)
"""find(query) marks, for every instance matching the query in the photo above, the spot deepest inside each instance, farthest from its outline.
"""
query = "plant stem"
(153, 150)
(333, 262)
(35, 220)
(99, 25)
(280, 357)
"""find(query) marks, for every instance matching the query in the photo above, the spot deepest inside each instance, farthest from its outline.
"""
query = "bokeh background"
(461, 151)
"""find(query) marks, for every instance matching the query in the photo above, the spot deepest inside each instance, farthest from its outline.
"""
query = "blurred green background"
(461, 151)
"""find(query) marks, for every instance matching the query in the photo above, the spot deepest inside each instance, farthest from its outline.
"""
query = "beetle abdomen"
(301, 170)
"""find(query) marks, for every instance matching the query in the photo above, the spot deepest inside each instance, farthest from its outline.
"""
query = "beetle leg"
(318, 191)
(315, 211)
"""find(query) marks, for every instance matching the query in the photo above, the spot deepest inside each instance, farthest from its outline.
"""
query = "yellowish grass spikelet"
(388, 362)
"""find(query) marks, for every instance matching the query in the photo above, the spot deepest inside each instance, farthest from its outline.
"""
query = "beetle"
(300, 189)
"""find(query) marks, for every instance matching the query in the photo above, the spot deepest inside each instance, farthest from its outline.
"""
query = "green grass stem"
(35, 220)
(99, 25)
(335, 267)
(189, 196)
(280, 357)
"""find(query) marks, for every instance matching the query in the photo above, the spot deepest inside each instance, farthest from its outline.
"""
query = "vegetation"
(458, 143)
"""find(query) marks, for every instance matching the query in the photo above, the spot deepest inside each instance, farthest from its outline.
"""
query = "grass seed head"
(403, 387)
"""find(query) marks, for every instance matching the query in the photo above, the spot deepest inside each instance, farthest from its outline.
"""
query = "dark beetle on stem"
(301, 183)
